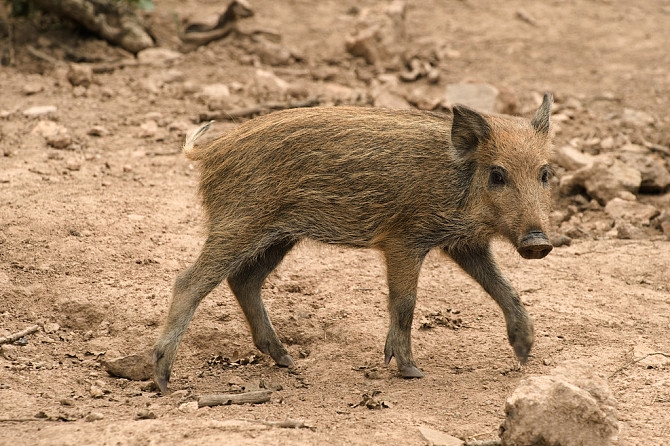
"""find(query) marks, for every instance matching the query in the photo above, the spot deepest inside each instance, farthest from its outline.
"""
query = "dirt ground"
(92, 236)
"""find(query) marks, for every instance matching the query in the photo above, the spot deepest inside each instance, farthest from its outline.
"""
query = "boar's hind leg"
(479, 263)
(403, 276)
(246, 284)
(190, 287)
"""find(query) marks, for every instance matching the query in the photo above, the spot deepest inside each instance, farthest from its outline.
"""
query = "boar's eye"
(497, 177)
(546, 174)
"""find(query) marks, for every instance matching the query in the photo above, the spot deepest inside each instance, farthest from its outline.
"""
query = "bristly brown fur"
(403, 182)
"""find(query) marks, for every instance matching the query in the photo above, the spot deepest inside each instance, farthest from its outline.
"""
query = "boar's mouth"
(534, 245)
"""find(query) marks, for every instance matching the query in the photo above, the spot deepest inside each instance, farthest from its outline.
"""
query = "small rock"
(148, 129)
(96, 392)
(439, 438)
(179, 394)
(636, 118)
(365, 44)
(66, 402)
(98, 130)
(171, 76)
(39, 110)
(339, 94)
(662, 222)
(571, 406)
(51, 327)
(190, 407)
(558, 240)
(73, 166)
(8, 351)
(655, 176)
(80, 75)
(158, 56)
(626, 231)
(480, 96)
(572, 158)
(216, 96)
(94, 416)
(215, 91)
(146, 414)
(54, 134)
(136, 367)
(179, 126)
(631, 211)
(268, 85)
(32, 88)
(604, 179)
(272, 53)
(387, 99)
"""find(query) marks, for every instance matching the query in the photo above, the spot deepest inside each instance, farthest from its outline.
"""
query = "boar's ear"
(540, 121)
(468, 129)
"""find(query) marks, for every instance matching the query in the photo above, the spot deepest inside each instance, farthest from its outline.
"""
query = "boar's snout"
(534, 245)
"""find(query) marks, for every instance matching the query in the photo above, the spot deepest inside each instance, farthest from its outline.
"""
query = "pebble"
(32, 88)
(146, 414)
(190, 407)
(96, 392)
(94, 416)
(51, 327)
(80, 75)
(98, 130)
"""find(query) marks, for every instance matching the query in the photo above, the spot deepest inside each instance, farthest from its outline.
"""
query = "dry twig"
(628, 364)
(224, 399)
(16, 336)
(289, 423)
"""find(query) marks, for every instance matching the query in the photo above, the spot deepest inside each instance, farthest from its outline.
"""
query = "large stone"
(571, 406)
(604, 179)
(655, 176)
(631, 211)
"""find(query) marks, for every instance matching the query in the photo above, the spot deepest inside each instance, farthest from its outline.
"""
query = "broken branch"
(628, 364)
(16, 336)
(225, 399)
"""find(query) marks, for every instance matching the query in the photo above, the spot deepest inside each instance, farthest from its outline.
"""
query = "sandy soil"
(92, 237)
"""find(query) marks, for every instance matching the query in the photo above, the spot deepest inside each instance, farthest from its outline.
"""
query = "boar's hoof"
(286, 361)
(534, 245)
(411, 371)
(162, 383)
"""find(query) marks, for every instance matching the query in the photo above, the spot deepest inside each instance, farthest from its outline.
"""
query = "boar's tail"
(189, 143)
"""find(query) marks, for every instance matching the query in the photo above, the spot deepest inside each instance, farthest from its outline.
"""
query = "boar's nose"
(534, 245)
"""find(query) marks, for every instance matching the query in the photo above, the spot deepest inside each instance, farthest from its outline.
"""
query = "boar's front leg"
(479, 263)
(402, 269)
